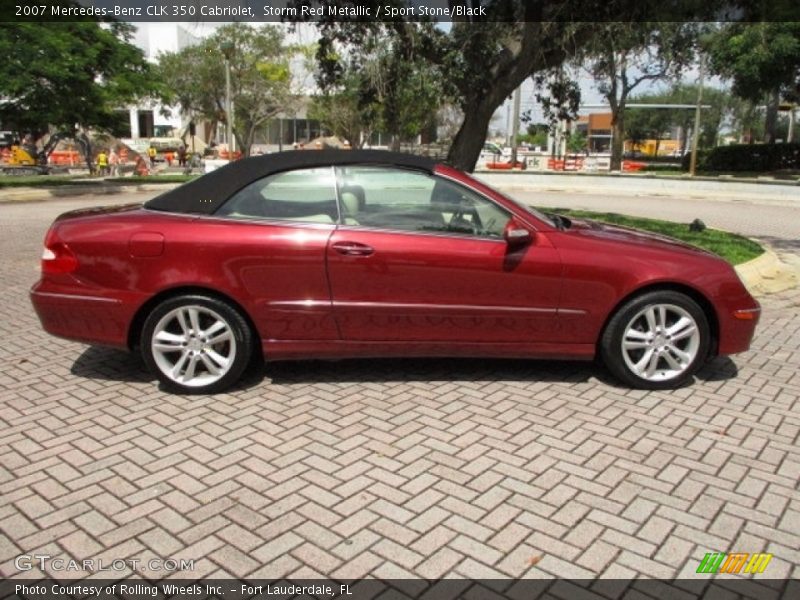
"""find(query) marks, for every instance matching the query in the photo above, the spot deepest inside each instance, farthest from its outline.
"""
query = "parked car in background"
(344, 254)
(492, 153)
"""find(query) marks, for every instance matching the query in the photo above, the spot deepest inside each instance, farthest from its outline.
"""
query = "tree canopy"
(762, 60)
(654, 123)
(261, 80)
(63, 74)
(383, 74)
(758, 58)
(474, 66)
(480, 60)
(345, 112)
(631, 54)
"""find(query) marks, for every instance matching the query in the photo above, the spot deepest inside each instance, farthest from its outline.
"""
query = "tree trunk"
(684, 139)
(358, 138)
(240, 137)
(246, 145)
(468, 143)
(617, 140)
(87, 156)
(516, 64)
(210, 132)
(771, 121)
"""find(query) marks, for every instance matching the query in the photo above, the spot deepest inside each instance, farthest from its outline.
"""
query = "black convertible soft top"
(206, 194)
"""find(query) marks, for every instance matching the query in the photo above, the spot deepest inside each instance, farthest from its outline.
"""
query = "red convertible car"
(337, 254)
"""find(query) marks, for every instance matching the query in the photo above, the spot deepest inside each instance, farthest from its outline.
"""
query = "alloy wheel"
(193, 345)
(660, 342)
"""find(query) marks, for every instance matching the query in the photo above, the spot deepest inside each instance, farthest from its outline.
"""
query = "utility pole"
(696, 132)
(228, 109)
(227, 50)
(515, 128)
(508, 124)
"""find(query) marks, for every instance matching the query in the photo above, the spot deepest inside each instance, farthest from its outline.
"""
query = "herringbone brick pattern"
(393, 468)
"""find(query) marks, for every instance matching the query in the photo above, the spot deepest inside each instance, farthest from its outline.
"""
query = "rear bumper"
(82, 317)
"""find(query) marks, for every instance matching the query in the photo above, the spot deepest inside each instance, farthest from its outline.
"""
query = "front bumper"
(737, 328)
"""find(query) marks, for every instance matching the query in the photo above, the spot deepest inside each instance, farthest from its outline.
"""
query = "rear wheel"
(656, 341)
(196, 344)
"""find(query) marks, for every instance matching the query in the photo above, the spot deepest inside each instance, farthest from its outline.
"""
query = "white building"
(153, 39)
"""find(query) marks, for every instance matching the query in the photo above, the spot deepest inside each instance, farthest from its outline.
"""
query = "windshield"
(525, 207)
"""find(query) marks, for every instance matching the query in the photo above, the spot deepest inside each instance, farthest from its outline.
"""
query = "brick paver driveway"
(391, 468)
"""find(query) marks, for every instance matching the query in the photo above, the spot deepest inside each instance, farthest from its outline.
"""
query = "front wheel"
(656, 341)
(196, 344)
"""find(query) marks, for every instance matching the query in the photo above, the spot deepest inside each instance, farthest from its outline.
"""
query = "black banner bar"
(702, 587)
(443, 11)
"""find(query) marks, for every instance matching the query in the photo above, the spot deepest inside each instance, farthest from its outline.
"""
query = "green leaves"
(380, 74)
(261, 78)
(758, 58)
(61, 74)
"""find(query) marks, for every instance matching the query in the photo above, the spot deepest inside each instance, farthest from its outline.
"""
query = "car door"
(275, 233)
(421, 258)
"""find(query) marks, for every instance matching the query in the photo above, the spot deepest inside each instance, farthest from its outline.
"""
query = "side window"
(387, 198)
(307, 195)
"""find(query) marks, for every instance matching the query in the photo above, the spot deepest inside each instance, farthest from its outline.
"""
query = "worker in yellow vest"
(151, 152)
(102, 162)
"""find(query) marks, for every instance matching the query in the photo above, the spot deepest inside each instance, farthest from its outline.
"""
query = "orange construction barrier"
(573, 163)
(499, 166)
(632, 166)
(64, 158)
(225, 155)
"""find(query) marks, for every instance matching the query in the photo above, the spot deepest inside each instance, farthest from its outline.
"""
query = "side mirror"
(516, 236)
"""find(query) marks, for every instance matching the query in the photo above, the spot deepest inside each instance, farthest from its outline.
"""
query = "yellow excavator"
(26, 159)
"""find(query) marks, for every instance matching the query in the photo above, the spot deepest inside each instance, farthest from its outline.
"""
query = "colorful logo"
(721, 562)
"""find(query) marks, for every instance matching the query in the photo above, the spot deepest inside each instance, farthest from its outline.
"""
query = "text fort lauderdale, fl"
(142, 589)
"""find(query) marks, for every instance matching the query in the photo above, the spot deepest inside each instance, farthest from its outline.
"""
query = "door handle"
(353, 249)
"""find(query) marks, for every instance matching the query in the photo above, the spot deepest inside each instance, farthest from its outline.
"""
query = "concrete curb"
(639, 185)
(767, 274)
(721, 179)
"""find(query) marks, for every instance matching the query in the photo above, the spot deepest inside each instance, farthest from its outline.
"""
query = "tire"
(656, 341)
(196, 344)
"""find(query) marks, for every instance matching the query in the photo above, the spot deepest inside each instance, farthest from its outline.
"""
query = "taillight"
(57, 258)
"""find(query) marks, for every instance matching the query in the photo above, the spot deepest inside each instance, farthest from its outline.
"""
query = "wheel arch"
(135, 329)
(702, 301)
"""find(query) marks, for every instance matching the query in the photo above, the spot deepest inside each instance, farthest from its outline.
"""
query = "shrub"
(656, 168)
(748, 157)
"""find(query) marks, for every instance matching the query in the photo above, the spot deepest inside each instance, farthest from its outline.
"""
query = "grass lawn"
(734, 248)
(11, 181)
(41, 180)
(137, 179)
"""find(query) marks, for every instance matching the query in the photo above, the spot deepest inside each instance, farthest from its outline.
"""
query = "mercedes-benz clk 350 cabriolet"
(342, 254)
